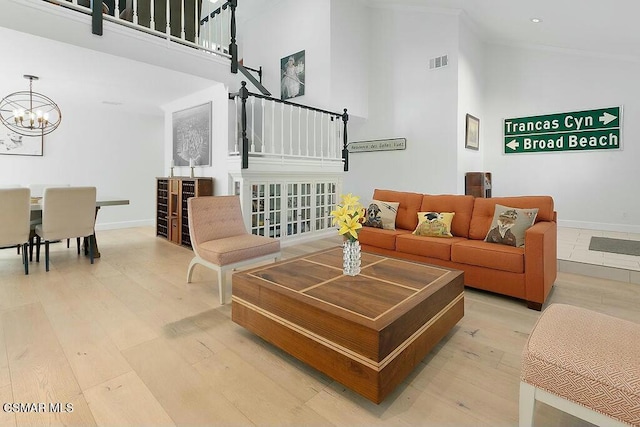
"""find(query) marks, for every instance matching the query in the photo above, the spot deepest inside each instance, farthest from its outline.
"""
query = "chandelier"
(29, 113)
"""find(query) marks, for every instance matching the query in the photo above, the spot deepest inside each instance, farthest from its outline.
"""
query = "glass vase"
(351, 257)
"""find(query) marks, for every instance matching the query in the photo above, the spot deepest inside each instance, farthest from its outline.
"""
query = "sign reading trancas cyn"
(579, 130)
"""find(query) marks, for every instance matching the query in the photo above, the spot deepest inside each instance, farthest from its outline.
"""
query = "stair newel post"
(96, 17)
(233, 47)
(345, 151)
(244, 94)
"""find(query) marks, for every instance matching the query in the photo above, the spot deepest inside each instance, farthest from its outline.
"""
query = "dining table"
(36, 208)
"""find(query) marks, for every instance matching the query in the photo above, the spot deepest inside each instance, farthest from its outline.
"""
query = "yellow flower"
(350, 200)
(348, 216)
(339, 213)
(350, 225)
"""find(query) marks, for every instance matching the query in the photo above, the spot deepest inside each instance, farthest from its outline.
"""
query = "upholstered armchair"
(220, 239)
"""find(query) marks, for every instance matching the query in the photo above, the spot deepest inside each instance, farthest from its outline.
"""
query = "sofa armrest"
(541, 261)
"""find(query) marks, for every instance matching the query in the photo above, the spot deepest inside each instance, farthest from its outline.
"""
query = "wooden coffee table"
(367, 332)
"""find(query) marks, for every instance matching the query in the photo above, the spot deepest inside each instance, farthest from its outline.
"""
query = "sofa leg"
(534, 305)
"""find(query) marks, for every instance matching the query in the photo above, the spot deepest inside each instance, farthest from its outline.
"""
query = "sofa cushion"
(432, 247)
(509, 225)
(379, 237)
(434, 224)
(407, 217)
(483, 209)
(381, 215)
(489, 255)
(461, 205)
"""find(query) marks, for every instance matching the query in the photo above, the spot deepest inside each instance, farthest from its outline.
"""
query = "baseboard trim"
(622, 228)
(124, 224)
(599, 271)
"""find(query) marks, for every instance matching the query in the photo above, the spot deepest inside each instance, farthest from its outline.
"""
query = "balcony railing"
(270, 127)
(203, 26)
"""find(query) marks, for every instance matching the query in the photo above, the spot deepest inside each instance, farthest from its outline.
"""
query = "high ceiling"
(595, 26)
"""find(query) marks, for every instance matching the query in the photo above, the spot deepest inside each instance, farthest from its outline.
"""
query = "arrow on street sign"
(513, 144)
(607, 118)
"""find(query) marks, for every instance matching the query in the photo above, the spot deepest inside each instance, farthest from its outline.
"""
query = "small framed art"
(472, 135)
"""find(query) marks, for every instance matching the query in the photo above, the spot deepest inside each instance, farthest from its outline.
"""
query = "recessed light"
(536, 20)
(112, 102)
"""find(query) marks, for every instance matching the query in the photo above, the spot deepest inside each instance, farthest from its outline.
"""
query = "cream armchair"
(220, 239)
(66, 212)
(14, 220)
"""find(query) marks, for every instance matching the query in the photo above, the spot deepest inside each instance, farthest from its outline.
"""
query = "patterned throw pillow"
(381, 215)
(434, 224)
(510, 224)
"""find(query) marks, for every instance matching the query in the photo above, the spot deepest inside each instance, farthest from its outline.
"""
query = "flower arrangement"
(348, 216)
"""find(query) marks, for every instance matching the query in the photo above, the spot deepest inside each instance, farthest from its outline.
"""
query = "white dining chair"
(67, 212)
(14, 220)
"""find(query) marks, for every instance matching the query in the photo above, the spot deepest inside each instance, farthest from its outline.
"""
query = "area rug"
(616, 246)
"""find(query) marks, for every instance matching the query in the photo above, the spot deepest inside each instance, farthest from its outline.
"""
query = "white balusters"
(282, 129)
(152, 24)
(299, 131)
(321, 137)
(273, 126)
(196, 24)
(182, 35)
(235, 147)
(168, 18)
(307, 128)
(116, 12)
(291, 129)
(262, 115)
(135, 12)
(315, 113)
(253, 127)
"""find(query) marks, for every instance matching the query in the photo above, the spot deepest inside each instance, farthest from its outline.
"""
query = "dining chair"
(220, 239)
(14, 220)
(37, 190)
(67, 212)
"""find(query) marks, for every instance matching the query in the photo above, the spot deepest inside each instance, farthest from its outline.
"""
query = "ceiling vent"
(438, 62)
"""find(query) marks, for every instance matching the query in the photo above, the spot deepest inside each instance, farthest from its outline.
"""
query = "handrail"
(243, 93)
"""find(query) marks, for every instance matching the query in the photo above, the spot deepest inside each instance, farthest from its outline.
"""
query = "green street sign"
(580, 130)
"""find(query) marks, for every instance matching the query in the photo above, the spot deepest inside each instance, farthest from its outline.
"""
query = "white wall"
(119, 153)
(350, 35)
(409, 101)
(218, 95)
(470, 99)
(286, 28)
(594, 189)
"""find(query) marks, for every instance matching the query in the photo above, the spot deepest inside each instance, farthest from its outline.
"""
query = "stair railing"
(177, 21)
(272, 128)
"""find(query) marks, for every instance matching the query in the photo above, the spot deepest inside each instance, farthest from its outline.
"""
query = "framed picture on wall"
(192, 136)
(292, 70)
(472, 135)
(17, 145)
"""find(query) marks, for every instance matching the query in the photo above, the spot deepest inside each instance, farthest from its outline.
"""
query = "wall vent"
(438, 62)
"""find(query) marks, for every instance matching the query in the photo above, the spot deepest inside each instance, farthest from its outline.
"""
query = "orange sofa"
(525, 272)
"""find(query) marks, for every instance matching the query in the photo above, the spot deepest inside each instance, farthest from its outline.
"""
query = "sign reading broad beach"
(378, 145)
(579, 130)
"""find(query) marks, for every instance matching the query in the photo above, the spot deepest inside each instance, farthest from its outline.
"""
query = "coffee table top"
(374, 297)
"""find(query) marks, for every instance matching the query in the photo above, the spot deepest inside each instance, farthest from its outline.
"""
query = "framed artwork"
(17, 145)
(192, 136)
(292, 70)
(472, 135)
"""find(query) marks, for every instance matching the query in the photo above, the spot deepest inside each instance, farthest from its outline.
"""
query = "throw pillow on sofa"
(509, 225)
(381, 215)
(434, 224)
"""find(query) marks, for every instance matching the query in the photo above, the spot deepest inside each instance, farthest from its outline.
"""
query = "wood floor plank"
(6, 396)
(40, 371)
(232, 374)
(126, 400)
(189, 364)
(184, 394)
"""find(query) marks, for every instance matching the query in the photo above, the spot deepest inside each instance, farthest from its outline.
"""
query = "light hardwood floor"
(127, 341)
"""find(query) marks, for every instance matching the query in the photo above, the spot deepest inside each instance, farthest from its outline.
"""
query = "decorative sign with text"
(377, 145)
(580, 130)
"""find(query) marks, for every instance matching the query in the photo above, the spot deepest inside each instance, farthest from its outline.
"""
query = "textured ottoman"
(584, 363)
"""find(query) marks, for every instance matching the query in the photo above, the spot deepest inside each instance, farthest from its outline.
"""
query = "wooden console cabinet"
(172, 217)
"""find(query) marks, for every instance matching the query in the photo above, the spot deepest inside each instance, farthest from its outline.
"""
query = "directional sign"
(579, 130)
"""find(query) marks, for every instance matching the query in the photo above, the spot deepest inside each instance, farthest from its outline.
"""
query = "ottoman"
(584, 363)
